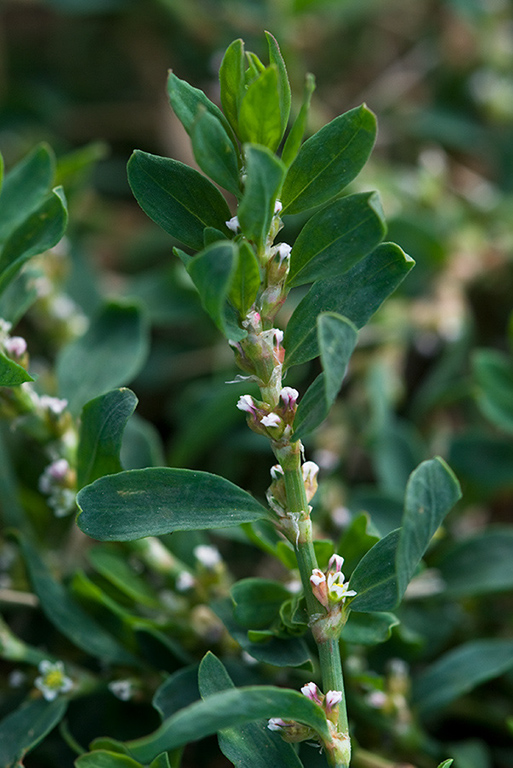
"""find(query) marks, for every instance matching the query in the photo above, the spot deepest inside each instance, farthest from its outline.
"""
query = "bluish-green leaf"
(23, 729)
(231, 79)
(149, 502)
(260, 120)
(264, 177)
(335, 238)
(252, 745)
(493, 372)
(41, 230)
(460, 671)
(63, 612)
(212, 272)
(374, 578)
(284, 95)
(257, 601)
(356, 295)
(368, 628)
(113, 565)
(178, 198)
(187, 103)
(177, 691)
(103, 759)
(245, 280)
(337, 338)
(102, 424)
(24, 189)
(479, 565)
(228, 709)
(329, 160)
(108, 355)
(295, 137)
(431, 493)
(214, 152)
(11, 373)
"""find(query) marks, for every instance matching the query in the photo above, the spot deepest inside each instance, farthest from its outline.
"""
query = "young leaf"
(356, 295)
(459, 671)
(264, 177)
(248, 745)
(295, 137)
(187, 103)
(24, 189)
(102, 424)
(12, 374)
(178, 198)
(431, 493)
(23, 729)
(212, 272)
(156, 500)
(246, 279)
(229, 709)
(374, 578)
(329, 160)
(115, 347)
(215, 153)
(276, 58)
(259, 115)
(231, 79)
(335, 238)
(41, 230)
(337, 338)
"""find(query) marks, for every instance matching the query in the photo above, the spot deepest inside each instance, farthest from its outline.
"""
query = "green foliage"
(22, 729)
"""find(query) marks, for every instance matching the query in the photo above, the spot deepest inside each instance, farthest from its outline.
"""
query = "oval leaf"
(215, 153)
(187, 103)
(176, 197)
(149, 502)
(329, 160)
(24, 728)
(374, 578)
(260, 119)
(264, 177)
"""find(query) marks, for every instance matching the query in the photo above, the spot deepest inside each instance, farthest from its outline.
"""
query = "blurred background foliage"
(432, 374)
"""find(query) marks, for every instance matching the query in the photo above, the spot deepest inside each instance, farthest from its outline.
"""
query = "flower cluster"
(329, 588)
(58, 483)
(292, 731)
(268, 421)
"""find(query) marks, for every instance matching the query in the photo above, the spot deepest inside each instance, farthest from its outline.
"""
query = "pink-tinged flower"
(289, 396)
(246, 403)
(319, 587)
(333, 698)
(376, 699)
(336, 562)
(15, 346)
(233, 224)
(277, 724)
(277, 207)
(277, 335)
(271, 420)
(55, 405)
(311, 692)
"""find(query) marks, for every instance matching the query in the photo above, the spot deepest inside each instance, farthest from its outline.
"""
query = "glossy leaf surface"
(231, 80)
(329, 160)
(149, 502)
(176, 197)
(374, 578)
(355, 295)
(264, 177)
(188, 102)
(214, 152)
(431, 493)
(102, 424)
(260, 120)
(335, 238)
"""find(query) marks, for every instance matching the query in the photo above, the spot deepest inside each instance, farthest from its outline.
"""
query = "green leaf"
(260, 120)
(149, 502)
(249, 746)
(374, 578)
(329, 160)
(460, 671)
(446, 763)
(276, 58)
(187, 103)
(295, 137)
(64, 613)
(231, 79)
(24, 728)
(214, 152)
(335, 238)
(112, 564)
(368, 628)
(102, 759)
(110, 353)
(479, 565)
(1, 171)
(246, 279)
(178, 198)
(177, 691)
(102, 424)
(356, 295)
(431, 493)
(264, 177)
(229, 709)
(12, 374)
(24, 189)
(257, 602)
(493, 372)
(212, 272)
(337, 338)
(41, 230)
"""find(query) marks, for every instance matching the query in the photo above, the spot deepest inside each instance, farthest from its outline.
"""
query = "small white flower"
(55, 405)
(184, 581)
(16, 346)
(207, 555)
(122, 689)
(317, 577)
(233, 224)
(337, 589)
(310, 471)
(336, 562)
(311, 692)
(333, 698)
(277, 723)
(52, 680)
(246, 403)
(278, 336)
(294, 586)
(58, 469)
(271, 420)
(277, 207)
(277, 472)
(283, 251)
(376, 699)
(5, 326)
(289, 396)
